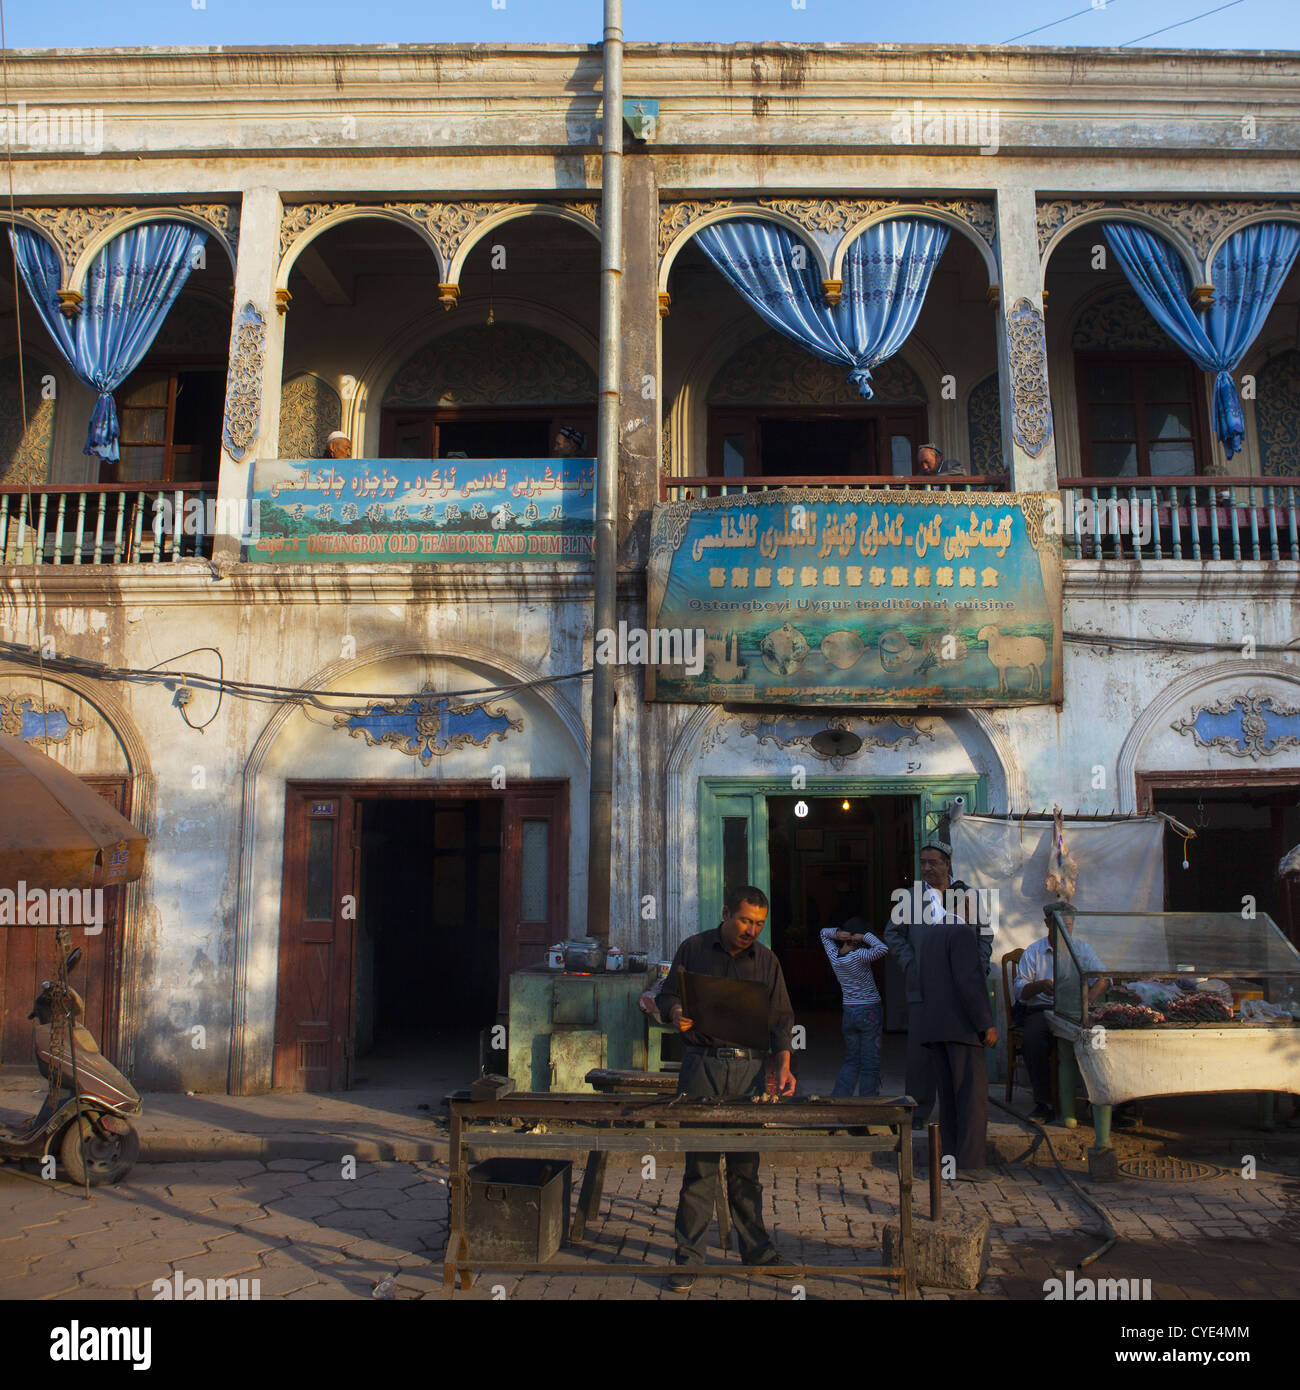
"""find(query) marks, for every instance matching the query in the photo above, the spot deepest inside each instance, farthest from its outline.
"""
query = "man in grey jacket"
(903, 939)
(956, 1025)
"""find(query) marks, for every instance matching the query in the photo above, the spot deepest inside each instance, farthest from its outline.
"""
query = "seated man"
(1032, 994)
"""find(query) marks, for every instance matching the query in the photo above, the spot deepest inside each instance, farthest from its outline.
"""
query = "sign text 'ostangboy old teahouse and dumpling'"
(313, 510)
(887, 597)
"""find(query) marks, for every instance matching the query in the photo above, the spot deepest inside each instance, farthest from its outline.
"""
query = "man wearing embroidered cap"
(569, 443)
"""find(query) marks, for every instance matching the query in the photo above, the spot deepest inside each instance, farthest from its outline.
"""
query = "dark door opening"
(1249, 827)
(843, 859)
(428, 924)
(404, 910)
(495, 439)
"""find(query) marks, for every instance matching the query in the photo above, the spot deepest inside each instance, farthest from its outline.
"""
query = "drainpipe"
(606, 576)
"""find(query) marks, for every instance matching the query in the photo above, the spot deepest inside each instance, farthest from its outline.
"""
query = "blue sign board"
(422, 510)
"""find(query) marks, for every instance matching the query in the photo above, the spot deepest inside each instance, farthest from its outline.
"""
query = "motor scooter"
(84, 1115)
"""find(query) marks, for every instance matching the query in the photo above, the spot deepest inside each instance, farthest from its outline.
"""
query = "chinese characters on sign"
(423, 509)
(885, 597)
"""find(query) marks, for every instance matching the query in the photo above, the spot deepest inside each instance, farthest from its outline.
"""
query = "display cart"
(1127, 1046)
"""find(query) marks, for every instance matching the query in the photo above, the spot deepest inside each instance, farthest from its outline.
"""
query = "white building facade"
(402, 245)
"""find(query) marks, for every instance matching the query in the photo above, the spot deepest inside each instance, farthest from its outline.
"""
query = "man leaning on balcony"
(930, 460)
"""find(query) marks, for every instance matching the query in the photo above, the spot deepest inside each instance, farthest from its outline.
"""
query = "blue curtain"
(886, 273)
(1248, 272)
(130, 286)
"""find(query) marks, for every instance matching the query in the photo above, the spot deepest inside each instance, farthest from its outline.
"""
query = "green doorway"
(832, 858)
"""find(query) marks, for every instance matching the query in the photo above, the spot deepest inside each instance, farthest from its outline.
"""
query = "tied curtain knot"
(130, 286)
(887, 271)
(1251, 267)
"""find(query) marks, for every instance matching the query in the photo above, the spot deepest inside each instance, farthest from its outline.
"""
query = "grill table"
(619, 1125)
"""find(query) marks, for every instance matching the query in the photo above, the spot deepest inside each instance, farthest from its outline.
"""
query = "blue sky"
(1247, 24)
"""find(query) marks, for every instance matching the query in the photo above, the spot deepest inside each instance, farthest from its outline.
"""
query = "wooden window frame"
(172, 368)
(1134, 361)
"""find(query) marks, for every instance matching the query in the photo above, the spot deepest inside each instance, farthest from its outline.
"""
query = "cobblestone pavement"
(304, 1230)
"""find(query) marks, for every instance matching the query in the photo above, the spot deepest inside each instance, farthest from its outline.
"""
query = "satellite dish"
(836, 743)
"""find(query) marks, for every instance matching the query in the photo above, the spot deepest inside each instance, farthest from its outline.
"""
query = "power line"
(255, 690)
(1182, 22)
(1087, 9)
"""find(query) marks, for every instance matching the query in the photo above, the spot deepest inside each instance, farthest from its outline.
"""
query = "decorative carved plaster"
(1252, 725)
(426, 725)
(676, 217)
(25, 454)
(984, 427)
(493, 364)
(827, 215)
(310, 409)
(772, 370)
(73, 228)
(1200, 221)
(448, 224)
(1118, 321)
(1031, 419)
(298, 217)
(243, 417)
(1277, 415)
(197, 326)
(875, 731)
(21, 717)
(589, 211)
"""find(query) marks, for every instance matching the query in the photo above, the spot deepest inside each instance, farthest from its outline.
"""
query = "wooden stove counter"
(619, 1126)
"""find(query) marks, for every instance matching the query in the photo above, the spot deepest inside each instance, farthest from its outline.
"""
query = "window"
(878, 441)
(504, 433)
(1140, 415)
(170, 423)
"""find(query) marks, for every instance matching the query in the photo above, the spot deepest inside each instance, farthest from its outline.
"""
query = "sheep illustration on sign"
(1014, 653)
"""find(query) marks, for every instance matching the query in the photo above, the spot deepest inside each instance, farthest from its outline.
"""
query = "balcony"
(712, 485)
(1192, 519)
(105, 524)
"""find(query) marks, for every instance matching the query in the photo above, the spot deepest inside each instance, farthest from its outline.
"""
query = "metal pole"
(936, 1187)
(606, 575)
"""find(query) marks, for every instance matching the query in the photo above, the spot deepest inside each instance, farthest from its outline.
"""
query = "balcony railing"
(104, 524)
(678, 489)
(1183, 518)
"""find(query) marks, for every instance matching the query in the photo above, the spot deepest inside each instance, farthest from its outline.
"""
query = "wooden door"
(313, 1025)
(28, 956)
(535, 877)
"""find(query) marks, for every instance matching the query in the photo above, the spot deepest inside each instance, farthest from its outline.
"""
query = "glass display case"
(1173, 970)
(1172, 1003)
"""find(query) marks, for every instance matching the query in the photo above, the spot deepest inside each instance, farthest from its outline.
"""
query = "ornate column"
(1028, 440)
(251, 423)
(638, 482)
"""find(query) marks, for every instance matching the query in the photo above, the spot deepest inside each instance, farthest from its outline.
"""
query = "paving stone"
(311, 1206)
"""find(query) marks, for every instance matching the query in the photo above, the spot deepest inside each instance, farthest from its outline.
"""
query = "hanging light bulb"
(844, 805)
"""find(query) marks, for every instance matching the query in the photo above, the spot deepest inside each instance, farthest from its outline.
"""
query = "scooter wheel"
(98, 1158)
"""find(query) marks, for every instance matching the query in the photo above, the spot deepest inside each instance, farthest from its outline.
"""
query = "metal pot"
(615, 960)
(638, 962)
(586, 955)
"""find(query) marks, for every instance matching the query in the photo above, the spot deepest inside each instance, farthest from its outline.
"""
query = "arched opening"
(493, 377)
(1131, 402)
(742, 404)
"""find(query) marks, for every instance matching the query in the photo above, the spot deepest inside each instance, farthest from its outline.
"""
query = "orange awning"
(55, 831)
